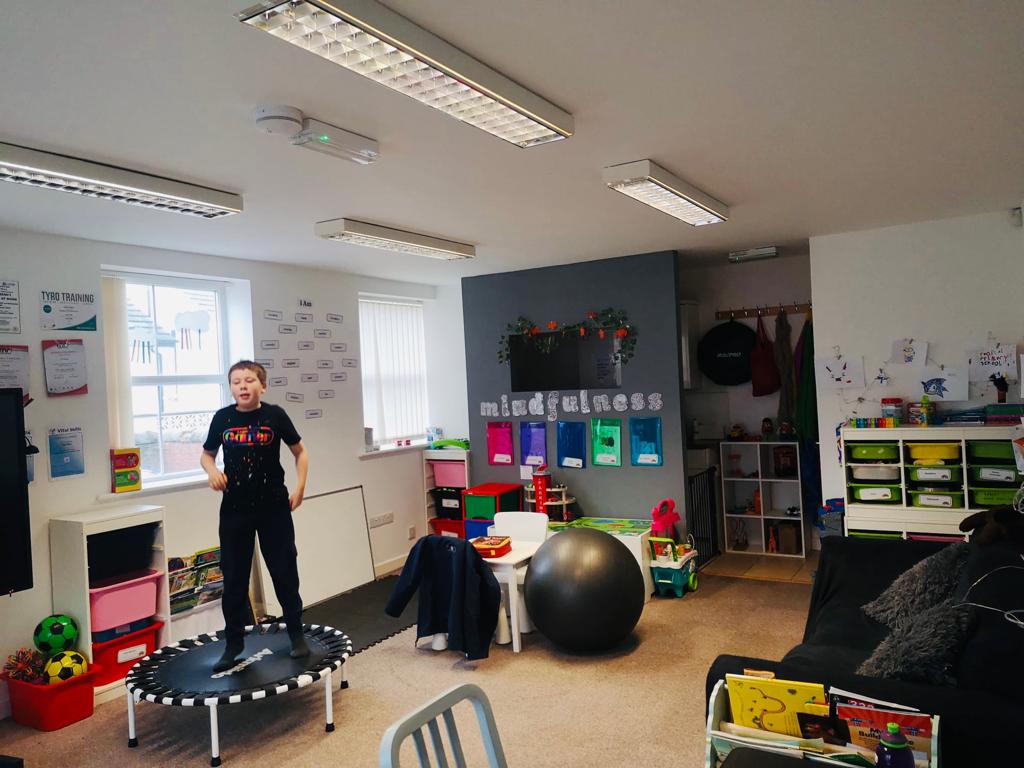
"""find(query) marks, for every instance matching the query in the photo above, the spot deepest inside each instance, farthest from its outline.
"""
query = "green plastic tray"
(876, 493)
(992, 497)
(992, 474)
(874, 451)
(996, 450)
(936, 498)
(874, 535)
(937, 473)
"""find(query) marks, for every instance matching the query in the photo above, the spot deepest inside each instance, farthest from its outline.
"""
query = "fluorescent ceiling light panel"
(376, 236)
(753, 254)
(371, 40)
(654, 186)
(334, 141)
(46, 170)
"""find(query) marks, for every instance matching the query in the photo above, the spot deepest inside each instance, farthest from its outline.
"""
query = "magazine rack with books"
(722, 736)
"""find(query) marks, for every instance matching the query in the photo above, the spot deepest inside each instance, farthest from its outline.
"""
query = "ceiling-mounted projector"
(753, 254)
(309, 133)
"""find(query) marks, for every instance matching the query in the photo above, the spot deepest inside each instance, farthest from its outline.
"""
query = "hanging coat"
(806, 395)
(784, 364)
(764, 375)
(458, 594)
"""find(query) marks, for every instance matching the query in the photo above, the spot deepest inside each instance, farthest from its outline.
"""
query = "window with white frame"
(393, 368)
(171, 333)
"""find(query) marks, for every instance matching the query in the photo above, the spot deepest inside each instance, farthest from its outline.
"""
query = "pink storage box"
(113, 603)
(934, 537)
(449, 473)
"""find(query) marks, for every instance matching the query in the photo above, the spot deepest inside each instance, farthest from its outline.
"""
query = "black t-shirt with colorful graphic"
(252, 446)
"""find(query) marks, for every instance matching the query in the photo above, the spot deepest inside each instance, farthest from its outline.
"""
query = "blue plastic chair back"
(427, 717)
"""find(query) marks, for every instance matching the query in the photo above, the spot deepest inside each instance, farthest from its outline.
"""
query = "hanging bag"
(764, 374)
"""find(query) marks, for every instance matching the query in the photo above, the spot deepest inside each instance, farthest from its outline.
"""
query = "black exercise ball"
(584, 590)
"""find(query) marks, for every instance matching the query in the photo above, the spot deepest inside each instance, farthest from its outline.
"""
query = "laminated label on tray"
(876, 494)
(934, 474)
(998, 474)
(930, 500)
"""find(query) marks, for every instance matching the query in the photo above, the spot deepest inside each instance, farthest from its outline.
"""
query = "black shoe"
(229, 658)
(299, 646)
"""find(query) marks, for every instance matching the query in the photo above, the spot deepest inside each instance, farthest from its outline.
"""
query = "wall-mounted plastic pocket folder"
(645, 442)
(499, 442)
(572, 444)
(606, 442)
(533, 443)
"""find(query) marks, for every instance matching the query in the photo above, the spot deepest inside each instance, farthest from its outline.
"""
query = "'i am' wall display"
(533, 443)
(571, 440)
(606, 442)
(645, 442)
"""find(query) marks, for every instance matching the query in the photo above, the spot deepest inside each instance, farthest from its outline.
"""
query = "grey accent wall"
(645, 287)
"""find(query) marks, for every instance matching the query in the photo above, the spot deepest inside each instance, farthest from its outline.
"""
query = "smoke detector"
(278, 119)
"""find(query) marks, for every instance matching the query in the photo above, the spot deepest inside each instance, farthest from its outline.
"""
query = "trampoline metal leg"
(214, 738)
(132, 741)
(328, 693)
(344, 678)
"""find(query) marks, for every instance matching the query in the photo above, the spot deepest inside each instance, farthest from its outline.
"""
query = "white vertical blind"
(115, 342)
(394, 368)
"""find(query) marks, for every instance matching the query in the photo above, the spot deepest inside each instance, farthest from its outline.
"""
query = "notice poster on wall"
(66, 447)
(64, 367)
(67, 311)
(14, 369)
(10, 307)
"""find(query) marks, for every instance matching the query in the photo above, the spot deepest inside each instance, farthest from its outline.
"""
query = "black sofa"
(982, 718)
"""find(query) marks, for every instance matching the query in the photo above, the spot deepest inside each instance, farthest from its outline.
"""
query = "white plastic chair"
(427, 717)
(521, 526)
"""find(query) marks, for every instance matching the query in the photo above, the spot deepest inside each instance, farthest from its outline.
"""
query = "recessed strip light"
(46, 170)
(385, 238)
(371, 40)
(654, 186)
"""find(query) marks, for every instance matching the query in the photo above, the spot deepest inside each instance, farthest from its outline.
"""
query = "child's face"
(246, 389)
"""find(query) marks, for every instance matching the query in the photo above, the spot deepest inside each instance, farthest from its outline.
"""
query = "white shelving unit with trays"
(459, 468)
(770, 471)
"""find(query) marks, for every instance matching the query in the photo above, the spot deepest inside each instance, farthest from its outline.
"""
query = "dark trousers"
(241, 520)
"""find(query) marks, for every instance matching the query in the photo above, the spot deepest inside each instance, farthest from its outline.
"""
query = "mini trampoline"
(181, 675)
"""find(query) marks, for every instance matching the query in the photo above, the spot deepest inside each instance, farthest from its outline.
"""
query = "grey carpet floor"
(641, 706)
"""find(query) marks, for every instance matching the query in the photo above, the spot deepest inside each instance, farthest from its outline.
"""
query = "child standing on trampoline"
(255, 502)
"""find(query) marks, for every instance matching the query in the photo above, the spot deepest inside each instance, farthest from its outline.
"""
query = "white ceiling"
(807, 117)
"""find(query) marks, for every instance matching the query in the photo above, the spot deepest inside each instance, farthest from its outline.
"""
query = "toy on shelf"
(557, 505)
(673, 566)
(125, 470)
(26, 664)
(664, 517)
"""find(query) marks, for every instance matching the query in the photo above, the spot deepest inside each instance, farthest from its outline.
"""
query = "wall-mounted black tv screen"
(571, 362)
(15, 531)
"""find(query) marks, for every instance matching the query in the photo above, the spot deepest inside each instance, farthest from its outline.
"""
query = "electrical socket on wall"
(412, 532)
(382, 519)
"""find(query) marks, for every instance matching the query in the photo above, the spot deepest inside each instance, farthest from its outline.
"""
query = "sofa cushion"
(923, 647)
(920, 588)
(991, 658)
(832, 658)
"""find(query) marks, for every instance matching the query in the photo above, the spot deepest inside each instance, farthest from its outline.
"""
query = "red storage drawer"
(117, 656)
(454, 528)
(49, 707)
(116, 602)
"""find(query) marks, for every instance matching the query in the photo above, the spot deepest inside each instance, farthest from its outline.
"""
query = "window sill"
(393, 450)
(155, 488)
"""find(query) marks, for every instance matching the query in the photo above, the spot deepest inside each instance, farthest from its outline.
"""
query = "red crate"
(50, 707)
(454, 528)
(117, 656)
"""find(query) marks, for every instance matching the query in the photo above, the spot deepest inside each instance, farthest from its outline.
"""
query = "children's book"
(867, 724)
(771, 705)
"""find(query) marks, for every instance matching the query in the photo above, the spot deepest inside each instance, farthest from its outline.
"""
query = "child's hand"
(218, 480)
(295, 500)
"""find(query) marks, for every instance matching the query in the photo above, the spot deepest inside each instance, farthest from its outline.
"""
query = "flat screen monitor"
(15, 531)
(550, 361)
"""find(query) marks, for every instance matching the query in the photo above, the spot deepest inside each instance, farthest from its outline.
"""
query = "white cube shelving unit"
(69, 569)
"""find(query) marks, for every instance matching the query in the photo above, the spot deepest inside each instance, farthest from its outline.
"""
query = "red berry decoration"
(552, 325)
(600, 334)
(621, 333)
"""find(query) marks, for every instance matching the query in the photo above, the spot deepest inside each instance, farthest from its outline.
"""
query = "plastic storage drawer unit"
(884, 494)
(443, 527)
(936, 473)
(990, 450)
(936, 497)
(874, 451)
(117, 656)
(475, 528)
(122, 602)
(482, 501)
(447, 502)
(449, 473)
(932, 451)
(992, 497)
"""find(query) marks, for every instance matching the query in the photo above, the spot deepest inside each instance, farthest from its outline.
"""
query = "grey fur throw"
(920, 588)
(924, 648)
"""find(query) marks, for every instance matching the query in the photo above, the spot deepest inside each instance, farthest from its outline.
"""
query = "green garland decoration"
(603, 323)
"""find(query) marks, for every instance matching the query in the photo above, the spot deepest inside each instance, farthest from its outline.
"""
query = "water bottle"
(893, 750)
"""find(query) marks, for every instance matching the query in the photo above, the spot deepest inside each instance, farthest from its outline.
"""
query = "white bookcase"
(69, 569)
(430, 482)
(752, 471)
(904, 518)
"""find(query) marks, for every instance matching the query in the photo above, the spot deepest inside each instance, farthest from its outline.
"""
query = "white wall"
(722, 285)
(446, 366)
(949, 282)
(390, 483)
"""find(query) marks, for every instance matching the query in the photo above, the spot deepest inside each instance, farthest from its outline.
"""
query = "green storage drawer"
(938, 498)
(990, 474)
(935, 473)
(990, 450)
(882, 494)
(875, 535)
(874, 451)
(992, 497)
